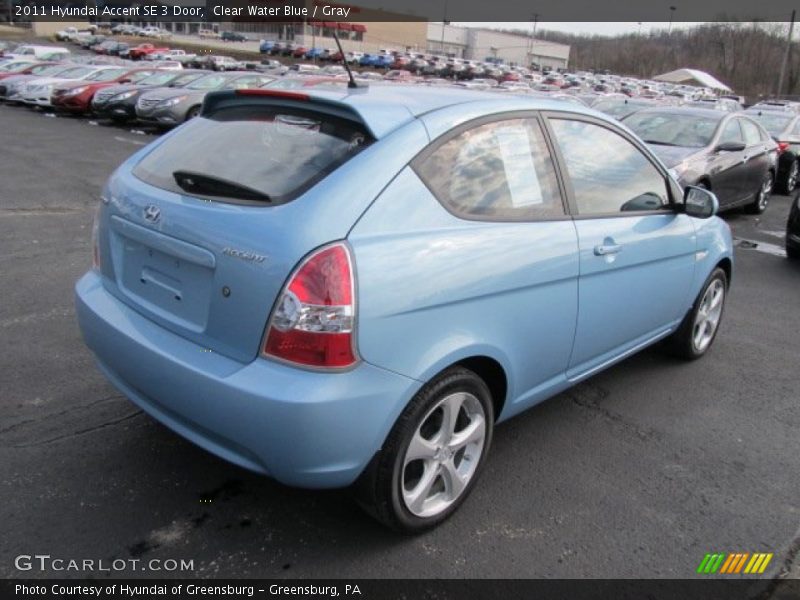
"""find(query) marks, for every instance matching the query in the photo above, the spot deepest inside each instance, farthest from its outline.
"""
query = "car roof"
(383, 108)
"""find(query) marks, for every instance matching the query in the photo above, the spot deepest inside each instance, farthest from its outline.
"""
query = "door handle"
(606, 249)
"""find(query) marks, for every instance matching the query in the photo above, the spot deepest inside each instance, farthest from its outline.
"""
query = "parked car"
(477, 295)
(118, 102)
(232, 36)
(19, 67)
(784, 127)
(39, 52)
(76, 97)
(793, 229)
(142, 50)
(724, 104)
(170, 107)
(37, 92)
(619, 108)
(9, 86)
(208, 34)
(727, 153)
(222, 63)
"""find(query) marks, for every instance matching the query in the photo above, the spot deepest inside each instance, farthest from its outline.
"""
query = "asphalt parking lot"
(636, 473)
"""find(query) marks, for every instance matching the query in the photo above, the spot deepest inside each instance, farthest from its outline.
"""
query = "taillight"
(312, 322)
(782, 147)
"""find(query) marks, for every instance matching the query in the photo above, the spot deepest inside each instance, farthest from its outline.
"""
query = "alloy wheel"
(443, 454)
(708, 316)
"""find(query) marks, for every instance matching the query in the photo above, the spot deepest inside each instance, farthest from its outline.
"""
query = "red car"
(76, 96)
(300, 52)
(142, 50)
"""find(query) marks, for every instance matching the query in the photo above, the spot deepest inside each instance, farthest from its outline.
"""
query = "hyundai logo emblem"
(152, 213)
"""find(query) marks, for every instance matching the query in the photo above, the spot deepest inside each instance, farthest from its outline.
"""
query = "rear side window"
(264, 154)
(497, 171)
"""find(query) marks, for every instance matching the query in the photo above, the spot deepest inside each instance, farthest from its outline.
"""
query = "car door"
(472, 246)
(726, 168)
(756, 160)
(636, 251)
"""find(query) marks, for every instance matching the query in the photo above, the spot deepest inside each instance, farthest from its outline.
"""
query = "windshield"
(209, 82)
(618, 109)
(775, 124)
(49, 71)
(673, 129)
(76, 72)
(106, 75)
(158, 79)
(263, 154)
(186, 79)
(15, 66)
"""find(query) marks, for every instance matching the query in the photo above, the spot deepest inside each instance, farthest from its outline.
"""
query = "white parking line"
(764, 247)
(127, 141)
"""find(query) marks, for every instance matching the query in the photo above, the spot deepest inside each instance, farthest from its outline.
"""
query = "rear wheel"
(699, 328)
(792, 175)
(793, 252)
(433, 455)
(759, 205)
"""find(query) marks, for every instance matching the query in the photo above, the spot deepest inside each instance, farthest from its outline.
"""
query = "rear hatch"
(200, 231)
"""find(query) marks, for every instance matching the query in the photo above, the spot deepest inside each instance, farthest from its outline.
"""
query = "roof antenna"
(352, 83)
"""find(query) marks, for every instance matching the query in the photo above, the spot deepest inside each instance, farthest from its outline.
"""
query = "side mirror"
(700, 202)
(730, 147)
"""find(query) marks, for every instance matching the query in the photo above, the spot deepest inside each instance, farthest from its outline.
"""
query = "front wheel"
(759, 205)
(192, 113)
(699, 328)
(433, 455)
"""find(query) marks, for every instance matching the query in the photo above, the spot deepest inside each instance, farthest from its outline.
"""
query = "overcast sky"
(590, 27)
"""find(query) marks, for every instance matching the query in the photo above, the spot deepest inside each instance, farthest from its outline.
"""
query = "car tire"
(433, 455)
(192, 113)
(699, 327)
(792, 175)
(759, 205)
(792, 252)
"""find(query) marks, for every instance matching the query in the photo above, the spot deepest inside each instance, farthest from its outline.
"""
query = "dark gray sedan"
(728, 153)
(169, 107)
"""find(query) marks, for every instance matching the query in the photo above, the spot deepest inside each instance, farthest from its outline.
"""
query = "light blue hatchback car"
(353, 287)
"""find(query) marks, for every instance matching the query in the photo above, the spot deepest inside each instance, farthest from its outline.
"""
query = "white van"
(41, 52)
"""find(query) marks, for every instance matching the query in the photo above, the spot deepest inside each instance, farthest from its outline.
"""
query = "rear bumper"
(308, 429)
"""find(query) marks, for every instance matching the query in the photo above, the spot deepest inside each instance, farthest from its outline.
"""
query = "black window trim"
(450, 134)
(673, 207)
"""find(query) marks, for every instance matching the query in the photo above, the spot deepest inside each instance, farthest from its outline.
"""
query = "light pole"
(444, 23)
(671, 14)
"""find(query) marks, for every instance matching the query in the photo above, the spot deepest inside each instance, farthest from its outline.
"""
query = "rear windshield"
(775, 122)
(246, 154)
(674, 129)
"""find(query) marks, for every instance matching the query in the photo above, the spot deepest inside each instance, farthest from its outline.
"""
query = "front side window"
(608, 173)
(731, 133)
(752, 135)
(497, 171)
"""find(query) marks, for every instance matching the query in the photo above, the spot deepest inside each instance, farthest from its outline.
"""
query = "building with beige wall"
(480, 43)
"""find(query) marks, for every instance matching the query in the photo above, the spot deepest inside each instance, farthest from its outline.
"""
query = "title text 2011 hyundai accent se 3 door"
(353, 287)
